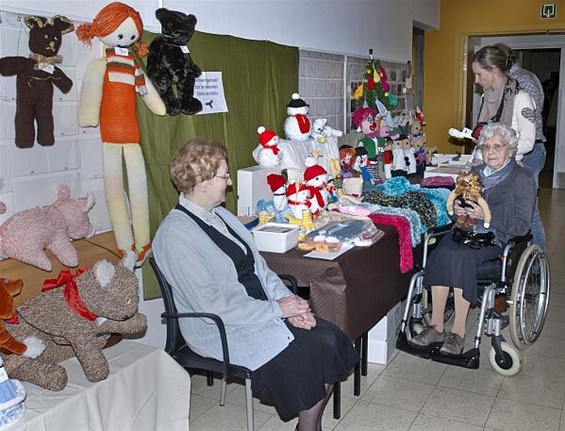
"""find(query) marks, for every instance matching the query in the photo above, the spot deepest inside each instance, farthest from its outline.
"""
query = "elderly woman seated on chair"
(213, 265)
(510, 191)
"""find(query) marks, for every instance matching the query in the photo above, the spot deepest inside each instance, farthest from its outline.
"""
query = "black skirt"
(455, 265)
(295, 379)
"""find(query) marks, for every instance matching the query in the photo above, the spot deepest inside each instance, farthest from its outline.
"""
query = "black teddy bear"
(169, 62)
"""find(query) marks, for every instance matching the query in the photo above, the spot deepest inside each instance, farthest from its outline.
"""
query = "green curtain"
(259, 78)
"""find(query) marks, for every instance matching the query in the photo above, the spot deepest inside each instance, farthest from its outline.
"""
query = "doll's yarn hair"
(361, 113)
(109, 19)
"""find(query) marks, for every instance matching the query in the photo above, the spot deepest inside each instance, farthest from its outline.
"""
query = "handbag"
(474, 240)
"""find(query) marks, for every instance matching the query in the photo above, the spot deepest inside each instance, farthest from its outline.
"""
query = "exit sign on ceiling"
(548, 11)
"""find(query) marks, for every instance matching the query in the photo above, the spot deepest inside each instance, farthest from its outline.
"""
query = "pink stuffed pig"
(27, 233)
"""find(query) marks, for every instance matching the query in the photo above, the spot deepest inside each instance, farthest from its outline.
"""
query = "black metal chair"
(177, 348)
(180, 352)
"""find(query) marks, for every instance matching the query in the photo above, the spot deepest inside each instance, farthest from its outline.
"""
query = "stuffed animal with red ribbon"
(75, 315)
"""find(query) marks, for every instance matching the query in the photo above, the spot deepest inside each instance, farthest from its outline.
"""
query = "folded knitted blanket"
(438, 181)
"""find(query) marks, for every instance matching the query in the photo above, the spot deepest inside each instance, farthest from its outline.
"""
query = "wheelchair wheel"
(530, 297)
(427, 306)
(507, 364)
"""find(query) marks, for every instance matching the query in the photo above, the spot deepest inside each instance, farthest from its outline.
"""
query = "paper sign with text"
(209, 89)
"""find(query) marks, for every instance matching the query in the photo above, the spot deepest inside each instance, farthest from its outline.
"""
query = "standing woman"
(503, 101)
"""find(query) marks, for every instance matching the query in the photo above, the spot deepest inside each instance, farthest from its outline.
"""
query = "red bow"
(72, 296)
(13, 320)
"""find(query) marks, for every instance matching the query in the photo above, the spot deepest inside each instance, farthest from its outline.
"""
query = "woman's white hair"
(508, 135)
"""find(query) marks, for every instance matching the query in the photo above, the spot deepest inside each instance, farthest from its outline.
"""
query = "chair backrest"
(175, 339)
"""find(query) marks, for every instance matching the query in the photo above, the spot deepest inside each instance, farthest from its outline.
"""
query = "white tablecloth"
(146, 390)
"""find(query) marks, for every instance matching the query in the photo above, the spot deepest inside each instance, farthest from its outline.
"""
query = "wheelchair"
(513, 292)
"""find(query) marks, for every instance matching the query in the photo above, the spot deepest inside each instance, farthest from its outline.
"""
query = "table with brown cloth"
(355, 290)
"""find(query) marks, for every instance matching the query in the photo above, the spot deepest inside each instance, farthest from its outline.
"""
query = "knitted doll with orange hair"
(108, 98)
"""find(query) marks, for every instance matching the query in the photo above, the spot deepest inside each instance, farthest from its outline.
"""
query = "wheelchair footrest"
(403, 345)
(468, 359)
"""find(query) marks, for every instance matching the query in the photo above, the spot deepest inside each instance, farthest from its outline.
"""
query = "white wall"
(340, 26)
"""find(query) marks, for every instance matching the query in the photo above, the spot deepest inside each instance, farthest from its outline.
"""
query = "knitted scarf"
(495, 177)
(498, 104)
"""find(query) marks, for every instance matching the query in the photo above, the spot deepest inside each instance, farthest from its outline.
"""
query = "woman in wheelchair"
(213, 265)
(510, 191)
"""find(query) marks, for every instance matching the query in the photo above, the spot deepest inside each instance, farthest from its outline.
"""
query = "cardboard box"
(382, 337)
(276, 237)
(251, 187)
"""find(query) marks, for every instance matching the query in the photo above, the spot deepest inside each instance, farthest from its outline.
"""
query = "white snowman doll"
(298, 196)
(268, 151)
(297, 126)
(277, 183)
(316, 178)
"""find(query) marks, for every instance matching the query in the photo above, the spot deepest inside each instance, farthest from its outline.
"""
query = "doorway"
(545, 56)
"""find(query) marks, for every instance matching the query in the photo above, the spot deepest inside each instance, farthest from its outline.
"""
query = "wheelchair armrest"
(290, 282)
(439, 230)
(218, 322)
(520, 239)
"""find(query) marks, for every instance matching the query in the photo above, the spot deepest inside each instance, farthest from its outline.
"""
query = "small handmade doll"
(347, 156)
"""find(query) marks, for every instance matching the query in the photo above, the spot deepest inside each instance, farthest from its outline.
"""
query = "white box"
(382, 336)
(438, 158)
(276, 237)
(251, 187)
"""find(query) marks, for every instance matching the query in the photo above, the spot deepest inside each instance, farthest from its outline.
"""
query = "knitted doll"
(277, 183)
(108, 98)
(468, 188)
(297, 126)
(316, 178)
(269, 154)
(298, 196)
(368, 123)
(347, 157)
(36, 77)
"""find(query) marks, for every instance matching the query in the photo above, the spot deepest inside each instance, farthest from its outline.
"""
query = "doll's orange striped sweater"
(118, 117)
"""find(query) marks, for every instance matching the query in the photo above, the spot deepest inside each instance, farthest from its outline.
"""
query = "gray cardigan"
(512, 204)
(204, 279)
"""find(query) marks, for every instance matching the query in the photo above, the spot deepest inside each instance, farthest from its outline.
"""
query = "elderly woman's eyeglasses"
(225, 177)
(497, 148)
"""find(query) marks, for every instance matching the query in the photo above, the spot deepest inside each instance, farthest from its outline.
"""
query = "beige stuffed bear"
(75, 316)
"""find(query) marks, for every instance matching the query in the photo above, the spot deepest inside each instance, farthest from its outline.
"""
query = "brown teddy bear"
(75, 315)
(468, 188)
(36, 76)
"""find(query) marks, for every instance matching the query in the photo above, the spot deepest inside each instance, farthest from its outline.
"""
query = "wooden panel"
(91, 250)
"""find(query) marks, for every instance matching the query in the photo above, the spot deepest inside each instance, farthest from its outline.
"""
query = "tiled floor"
(415, 394)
